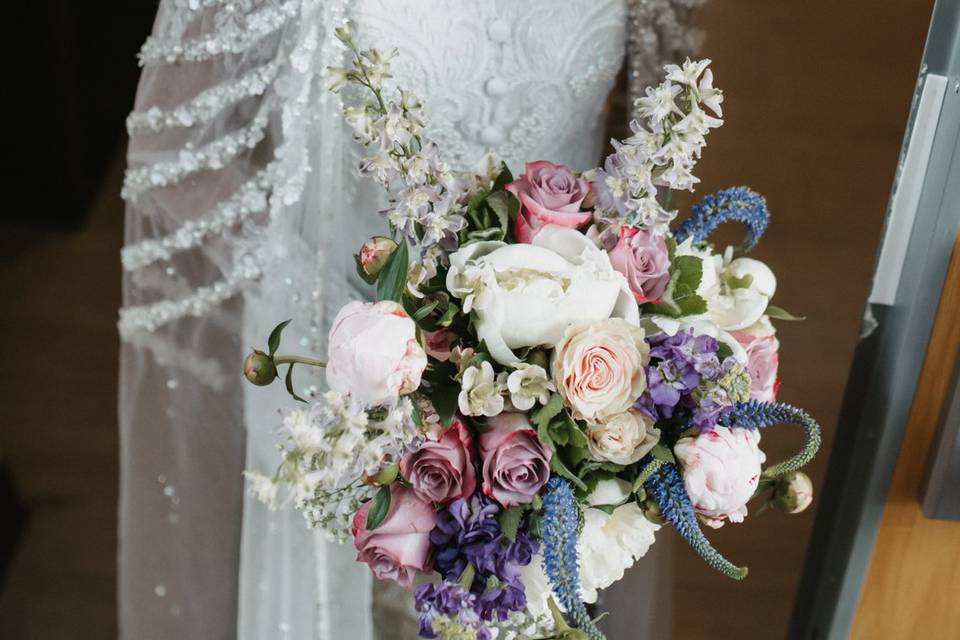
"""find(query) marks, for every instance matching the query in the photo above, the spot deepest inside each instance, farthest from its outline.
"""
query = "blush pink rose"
(516, 465)
(548, 194)
(721, 470)
(438, 344)
(643, 259)
(399, 548)
(373, 352)
(598, 367)
(763, 361)
(442, 470)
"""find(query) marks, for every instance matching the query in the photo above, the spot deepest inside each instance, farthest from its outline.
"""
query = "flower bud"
(793, 493)
(259, 368)
(651, 511)
(385, 476)
(539, 358)
(374, 255)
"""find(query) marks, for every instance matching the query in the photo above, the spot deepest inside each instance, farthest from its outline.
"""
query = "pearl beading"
(206, 105)
(235, 36)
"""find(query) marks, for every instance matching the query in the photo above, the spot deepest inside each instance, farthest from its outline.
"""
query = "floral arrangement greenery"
(552, 370)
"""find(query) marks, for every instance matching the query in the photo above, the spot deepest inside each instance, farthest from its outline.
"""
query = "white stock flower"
(531, 293)
(609, 544)
(481, 392)
(529, 384)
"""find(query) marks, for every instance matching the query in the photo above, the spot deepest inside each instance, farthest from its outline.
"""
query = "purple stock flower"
(447, 599)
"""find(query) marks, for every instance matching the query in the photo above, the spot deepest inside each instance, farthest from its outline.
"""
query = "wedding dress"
(244, 207)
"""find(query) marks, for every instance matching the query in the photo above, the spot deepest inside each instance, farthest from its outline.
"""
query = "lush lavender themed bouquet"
(552, 370)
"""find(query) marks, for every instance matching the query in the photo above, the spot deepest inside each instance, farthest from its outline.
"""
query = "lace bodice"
(525, 79)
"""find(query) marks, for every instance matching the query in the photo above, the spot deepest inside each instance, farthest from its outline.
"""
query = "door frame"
(889, 356)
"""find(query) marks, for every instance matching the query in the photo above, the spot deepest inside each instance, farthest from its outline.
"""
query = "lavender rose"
(643, 259)
(721, 470)
(516, 465)
(548, 194)
(442, 470)
(400, 546)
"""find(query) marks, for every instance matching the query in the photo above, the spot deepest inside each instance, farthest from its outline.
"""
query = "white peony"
(526, 295)
(609, 544)
(737, 291)
(374, 355)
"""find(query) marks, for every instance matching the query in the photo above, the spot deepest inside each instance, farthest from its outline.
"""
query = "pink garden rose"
(721, 469)
(373, 352)
(643, 259)
(763, 360)
(548, 194)
(516, 465)
(400, 546)
(438, 344)
(442, 470)
(598, 367)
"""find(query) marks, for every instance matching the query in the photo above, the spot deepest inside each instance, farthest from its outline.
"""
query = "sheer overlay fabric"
(243, 209)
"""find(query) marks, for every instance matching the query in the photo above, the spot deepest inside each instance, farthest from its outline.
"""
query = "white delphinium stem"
(669, 133)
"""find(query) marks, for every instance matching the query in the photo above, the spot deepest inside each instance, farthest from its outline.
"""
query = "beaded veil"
(240, 197)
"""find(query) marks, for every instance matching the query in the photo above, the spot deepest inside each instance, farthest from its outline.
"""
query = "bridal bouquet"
(551, 371)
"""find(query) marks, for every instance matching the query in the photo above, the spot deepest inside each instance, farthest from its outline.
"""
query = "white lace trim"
(206, 105)
(250, 199)
(240, 33)
(150, 317)
(214, 156)
(200, 5)
(206, 371)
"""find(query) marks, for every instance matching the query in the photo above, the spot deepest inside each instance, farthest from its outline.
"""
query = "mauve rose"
(548, 194)
(763, 361)
(516, 465)
(643, 259)
(442, 470)
(400, 547)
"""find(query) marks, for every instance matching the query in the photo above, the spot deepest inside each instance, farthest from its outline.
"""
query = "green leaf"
(724, 351)
(557, 466)
(379, 509)
(289, 381)
(393, 278)
(688, 271)
(424, 311)
(778, 313)
(509, 520)
(273, 342)
(499, 203)
(449, 315)
(544, 416)
(662, 453)
(445, 402)
(503, 178)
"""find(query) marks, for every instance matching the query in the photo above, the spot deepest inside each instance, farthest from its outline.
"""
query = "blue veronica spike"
(559, 525)
(735, 203)
(757, 415)
(666, 486)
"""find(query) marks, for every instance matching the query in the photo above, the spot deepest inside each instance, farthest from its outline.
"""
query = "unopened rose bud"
(539, 357)
(793, 493)
(384, 476)
(374, 255)
(651, 511)
(259, 369)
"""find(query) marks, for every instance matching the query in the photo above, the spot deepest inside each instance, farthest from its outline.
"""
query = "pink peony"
(373, 352)
(400, 547)
(643, 259)
(598, 367)
(548, 194)
(438, 344)
(763, 360)
(721, 469)
(442, 470)
(516, 465)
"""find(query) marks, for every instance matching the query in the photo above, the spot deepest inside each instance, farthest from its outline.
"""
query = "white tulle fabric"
(243, 209)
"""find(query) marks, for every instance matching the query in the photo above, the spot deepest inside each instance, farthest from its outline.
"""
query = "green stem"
(312, 362)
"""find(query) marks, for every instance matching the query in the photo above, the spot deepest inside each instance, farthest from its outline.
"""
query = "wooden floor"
(816, 100)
